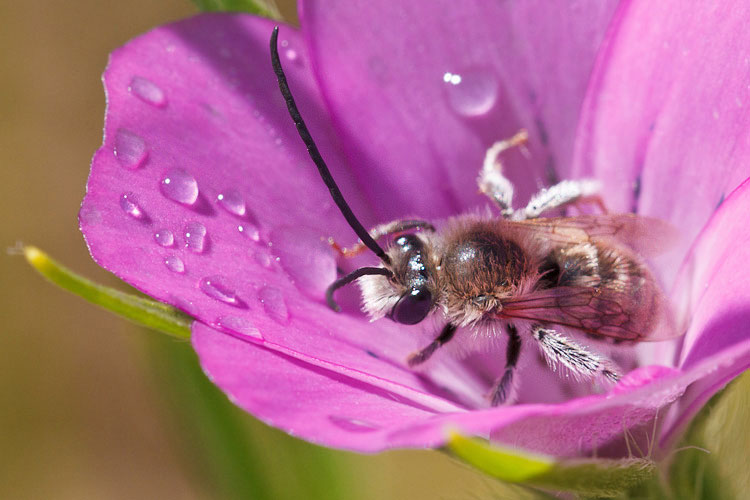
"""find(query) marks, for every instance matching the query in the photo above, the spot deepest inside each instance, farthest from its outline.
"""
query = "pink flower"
(203, 196)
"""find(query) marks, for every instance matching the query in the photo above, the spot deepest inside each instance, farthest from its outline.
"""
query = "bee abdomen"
(577, 265)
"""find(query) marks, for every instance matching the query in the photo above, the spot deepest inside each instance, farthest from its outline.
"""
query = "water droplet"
(274, 304)
(308, 260)
(263, 258)
(195, 236)
(250, 231)
(217, 288)
(164, 237)
(292, 55)
(130, 149)
(353, 424)
(451, 78)
(179, 186)
(239, 325)
(131, 207)
(89, 215)
(183, 304)
(175, 264)
(232, 201)
(473, 92)
(147, 91)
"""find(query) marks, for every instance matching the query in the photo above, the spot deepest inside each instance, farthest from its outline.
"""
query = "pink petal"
(665, 120)
(335, 408)
(197, 102)
(267, 280)
(389, 75)
(715, 299)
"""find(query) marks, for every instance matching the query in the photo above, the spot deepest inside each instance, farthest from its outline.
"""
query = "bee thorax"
(480, 268)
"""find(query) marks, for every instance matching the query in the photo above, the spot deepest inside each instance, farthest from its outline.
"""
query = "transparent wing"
(598, 311)
(646, 235)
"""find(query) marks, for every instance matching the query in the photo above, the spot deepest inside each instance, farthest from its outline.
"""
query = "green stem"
(139, 310)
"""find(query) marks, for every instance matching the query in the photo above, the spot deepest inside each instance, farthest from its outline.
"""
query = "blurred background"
(90, 405)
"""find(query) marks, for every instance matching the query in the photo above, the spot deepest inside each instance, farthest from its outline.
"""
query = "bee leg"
(504, 390)
(491, 180)
(423, 355)
(562, 194)
(581, 362)
(379, 231)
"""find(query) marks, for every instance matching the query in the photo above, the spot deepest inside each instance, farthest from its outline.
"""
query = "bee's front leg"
(504, 390)
(423, 355)
(379, 231)
(560, 195)
(492, 181)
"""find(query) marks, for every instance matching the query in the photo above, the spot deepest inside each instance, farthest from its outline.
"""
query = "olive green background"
(90, 405)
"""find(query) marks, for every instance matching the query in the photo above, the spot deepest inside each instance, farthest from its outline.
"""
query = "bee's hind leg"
(424, 354)
(379, 231)
(582, 363)
(504, 390)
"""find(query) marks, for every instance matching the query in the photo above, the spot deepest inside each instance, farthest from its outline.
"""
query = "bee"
(533, 279)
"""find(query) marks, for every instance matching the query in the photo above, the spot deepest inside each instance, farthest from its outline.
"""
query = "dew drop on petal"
(182, 304)
(178, 185)
(353, 424)
(217, 288)
(89, 215)
(274, 304)
(195, 236)
(263, 258)
(147, 91)
(131, 207)
(307, 259)
(164, 237)
(473, 92)
(293, 56)
(249, 231)
(232, 201)
(130, 149)
(175, 264)
(236, 324)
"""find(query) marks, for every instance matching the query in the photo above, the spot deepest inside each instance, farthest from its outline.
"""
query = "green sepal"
(711, 459)
(588, 477)
(139, 310)
(257, 7)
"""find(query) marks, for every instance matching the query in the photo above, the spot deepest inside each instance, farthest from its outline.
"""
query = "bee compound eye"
(412, 307)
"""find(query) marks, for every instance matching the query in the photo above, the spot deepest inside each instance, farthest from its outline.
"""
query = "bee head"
(408, 295)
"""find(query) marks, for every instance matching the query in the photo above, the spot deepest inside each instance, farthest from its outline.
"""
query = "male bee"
(533, 279)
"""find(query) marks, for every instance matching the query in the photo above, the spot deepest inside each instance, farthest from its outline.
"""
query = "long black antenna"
(345, 280)
(325, 174)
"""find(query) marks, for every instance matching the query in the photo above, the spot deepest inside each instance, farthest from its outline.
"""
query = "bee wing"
(646, 235)
(598, 311)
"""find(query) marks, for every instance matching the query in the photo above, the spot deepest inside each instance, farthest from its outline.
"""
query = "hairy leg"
(491, 180)
(423, 355)
(504, 390)
(582, 363)
(560, 195)
(493, 183)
